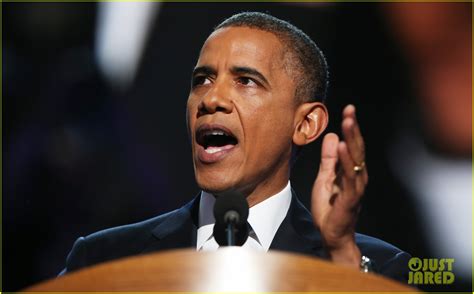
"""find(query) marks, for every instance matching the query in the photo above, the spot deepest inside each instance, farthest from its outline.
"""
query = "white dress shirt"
(265, 218)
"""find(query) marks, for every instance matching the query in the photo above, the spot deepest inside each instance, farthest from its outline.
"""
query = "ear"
(311, 120)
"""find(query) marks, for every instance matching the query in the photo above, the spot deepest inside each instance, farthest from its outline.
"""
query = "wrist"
(347, 255)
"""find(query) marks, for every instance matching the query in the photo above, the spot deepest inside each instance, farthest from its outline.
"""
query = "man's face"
(241, 113)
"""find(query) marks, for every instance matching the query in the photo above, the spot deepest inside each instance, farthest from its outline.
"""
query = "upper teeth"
(215, 133)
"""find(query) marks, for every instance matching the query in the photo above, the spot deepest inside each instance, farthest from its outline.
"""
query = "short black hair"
(313, 76)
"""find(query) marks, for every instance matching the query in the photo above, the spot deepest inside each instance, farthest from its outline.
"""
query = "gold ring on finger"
(359, 167)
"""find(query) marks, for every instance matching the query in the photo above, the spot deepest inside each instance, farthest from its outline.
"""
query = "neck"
(265, 190)
(273, 182)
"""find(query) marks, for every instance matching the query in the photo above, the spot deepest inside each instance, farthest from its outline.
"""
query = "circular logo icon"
(415, 264)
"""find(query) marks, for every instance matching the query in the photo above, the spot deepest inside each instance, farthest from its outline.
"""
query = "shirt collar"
(265, 218)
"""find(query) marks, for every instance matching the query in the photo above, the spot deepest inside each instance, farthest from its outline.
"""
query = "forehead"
(244, 47)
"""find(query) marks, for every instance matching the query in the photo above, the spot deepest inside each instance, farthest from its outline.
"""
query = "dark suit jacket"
(178, 229)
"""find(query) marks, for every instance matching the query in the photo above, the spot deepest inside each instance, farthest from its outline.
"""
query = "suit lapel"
(297, 232)
(177, 230)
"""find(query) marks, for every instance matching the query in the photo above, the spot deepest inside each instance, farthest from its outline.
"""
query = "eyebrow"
(204, 70)
(235, 70)
(239, 70)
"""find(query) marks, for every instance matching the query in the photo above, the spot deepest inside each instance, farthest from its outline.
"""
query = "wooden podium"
(228, 269)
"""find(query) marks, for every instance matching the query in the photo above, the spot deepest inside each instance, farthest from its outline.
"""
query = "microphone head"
(231, 201)
(231, 207)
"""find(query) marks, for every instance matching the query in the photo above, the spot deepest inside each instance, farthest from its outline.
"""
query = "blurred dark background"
(94, 131)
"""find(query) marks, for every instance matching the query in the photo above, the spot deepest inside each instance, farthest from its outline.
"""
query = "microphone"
(231, 211)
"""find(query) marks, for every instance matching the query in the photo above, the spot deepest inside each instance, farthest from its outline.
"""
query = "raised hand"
(338, 189)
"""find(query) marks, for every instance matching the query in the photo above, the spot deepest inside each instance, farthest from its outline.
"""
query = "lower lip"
(206, 157)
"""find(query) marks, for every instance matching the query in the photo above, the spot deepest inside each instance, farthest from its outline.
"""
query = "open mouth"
(215, 138)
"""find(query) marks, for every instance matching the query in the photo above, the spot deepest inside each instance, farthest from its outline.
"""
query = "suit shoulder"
(127, 240)
(389, 260)
(372, 245)
(121, 236)
(113, 243)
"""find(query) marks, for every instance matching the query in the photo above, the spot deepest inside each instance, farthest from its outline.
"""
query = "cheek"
(191, 104)
(270, 131)
(191, 110)
(277, 118)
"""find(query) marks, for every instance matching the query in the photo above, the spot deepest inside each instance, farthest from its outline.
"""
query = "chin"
(214, 182)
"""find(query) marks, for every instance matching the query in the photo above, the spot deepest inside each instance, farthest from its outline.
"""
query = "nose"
(216, 100)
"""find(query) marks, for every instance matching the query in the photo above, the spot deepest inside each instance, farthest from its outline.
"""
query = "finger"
(356, 181)
(324, 183)
(354, 142)
(329, 161)
(357, 133)
(346, 162)
(353, 186)
(350, 112)
(352, 136)
(329, 154)
(358, 154)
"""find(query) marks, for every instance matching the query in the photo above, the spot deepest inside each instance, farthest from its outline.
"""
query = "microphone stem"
(230, 231)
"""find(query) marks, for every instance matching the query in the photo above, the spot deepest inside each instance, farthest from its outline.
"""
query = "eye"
(200, 80)
(246, 81)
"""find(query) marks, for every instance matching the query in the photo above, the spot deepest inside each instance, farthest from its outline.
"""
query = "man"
(256, 99)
